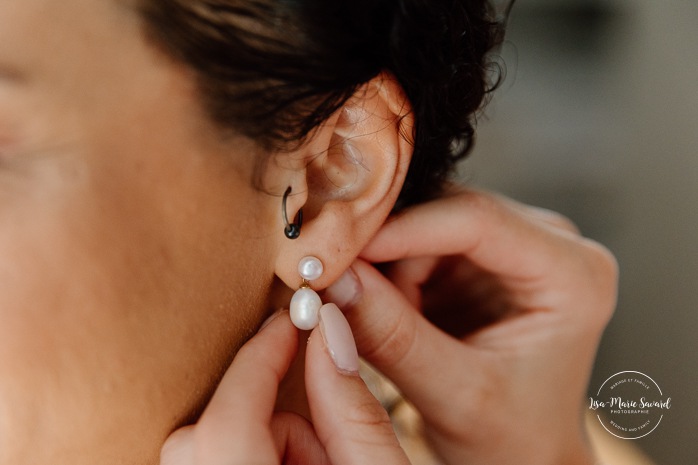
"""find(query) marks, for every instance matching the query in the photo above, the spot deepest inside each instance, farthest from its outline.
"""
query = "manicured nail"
(338, 339)
(346, 291)
(273, 317)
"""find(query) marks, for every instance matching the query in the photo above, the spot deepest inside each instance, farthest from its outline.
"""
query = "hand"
(525, 299)
(239, 425)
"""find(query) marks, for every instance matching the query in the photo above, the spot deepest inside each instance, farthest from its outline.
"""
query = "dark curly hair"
(273, 70)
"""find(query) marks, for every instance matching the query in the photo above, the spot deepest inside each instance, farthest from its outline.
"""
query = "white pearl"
(304, 308)
(310, 268)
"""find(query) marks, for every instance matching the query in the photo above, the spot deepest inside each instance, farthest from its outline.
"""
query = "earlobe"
(356, 165)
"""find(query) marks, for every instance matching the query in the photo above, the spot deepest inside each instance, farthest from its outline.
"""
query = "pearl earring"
(306, 303)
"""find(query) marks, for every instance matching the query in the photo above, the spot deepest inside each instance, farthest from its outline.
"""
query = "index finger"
(236, 422)
(481, 226)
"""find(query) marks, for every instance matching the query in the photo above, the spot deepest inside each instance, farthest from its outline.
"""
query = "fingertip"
(384, 246)
(346, 291)
(279, 328)
(271, 318)
(179, 448)
(338, 339)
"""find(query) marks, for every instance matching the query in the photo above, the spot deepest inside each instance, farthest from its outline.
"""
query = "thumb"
(351, 424)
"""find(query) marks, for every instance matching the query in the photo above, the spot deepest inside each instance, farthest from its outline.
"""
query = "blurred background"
(598, 119)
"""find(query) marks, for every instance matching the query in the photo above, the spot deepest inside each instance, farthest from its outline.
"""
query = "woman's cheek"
(40, 336)
(109, 317)
(77, 320)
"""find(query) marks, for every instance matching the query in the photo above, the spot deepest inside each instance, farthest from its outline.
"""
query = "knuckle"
(604, 270)
(367, 424)
(602, 260)
(561, 221)
(480, 203)
(369, 413)
(483, 210)
(395, 342)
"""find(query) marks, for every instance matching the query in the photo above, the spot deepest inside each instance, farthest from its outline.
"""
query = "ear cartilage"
(352, 154)
(305, 303)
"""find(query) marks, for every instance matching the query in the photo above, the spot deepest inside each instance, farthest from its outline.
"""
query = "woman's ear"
(353, 170)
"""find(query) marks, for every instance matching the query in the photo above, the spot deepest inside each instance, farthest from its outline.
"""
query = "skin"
(545, 295)
(547, 291)
(138, 252)
(138, 256)
(129, 231)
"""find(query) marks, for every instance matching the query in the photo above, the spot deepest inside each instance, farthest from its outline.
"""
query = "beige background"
(598, 119)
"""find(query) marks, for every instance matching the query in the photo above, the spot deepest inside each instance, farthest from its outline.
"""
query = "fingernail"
(273, 317)
(346, 291)
(338, 339)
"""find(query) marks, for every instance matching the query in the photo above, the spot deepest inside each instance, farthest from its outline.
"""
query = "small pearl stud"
(306, 303)
(310, 268)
